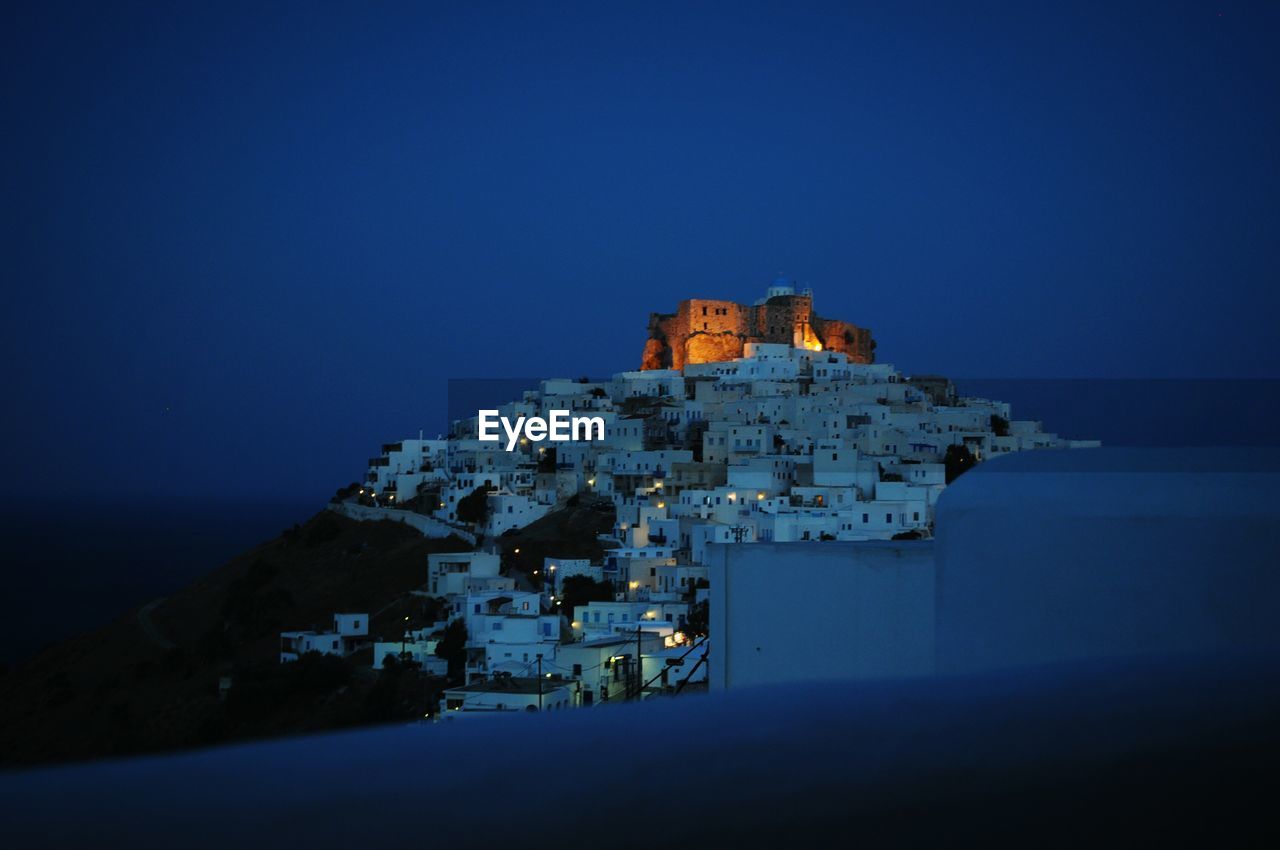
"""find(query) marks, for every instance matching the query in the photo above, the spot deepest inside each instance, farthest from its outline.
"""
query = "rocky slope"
(151, 679)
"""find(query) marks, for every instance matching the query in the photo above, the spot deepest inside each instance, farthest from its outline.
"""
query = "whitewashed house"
(450, 573)
(349, 632)
(511, 694)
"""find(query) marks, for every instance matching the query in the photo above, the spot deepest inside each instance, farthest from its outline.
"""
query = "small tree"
(958, 461)
(579, 590)
(474, 507)
(453, 647)
(699, 620)
(999, 425)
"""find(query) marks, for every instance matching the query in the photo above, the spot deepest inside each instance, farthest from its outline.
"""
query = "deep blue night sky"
(244, 246)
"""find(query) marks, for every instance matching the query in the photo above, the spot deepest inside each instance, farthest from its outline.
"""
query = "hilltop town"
(745, 424)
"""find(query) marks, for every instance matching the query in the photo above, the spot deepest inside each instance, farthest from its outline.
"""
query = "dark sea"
(75, 566)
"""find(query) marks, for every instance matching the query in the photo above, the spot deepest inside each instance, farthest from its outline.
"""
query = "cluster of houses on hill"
(523, 652)
(786, 443)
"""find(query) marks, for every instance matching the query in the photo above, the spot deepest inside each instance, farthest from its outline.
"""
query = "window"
(355, 624)
(865, 519)
(888, 518)
(497, 626)
(916, 516)
(546, 630)
(577, 671)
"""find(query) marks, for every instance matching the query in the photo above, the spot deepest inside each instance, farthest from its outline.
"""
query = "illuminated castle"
(704, 331)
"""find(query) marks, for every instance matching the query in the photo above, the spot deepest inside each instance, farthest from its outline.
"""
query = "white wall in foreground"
(792, 612)
(1041, 557)
(1058, 556)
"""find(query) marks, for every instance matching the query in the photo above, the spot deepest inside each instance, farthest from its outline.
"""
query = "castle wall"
(847, 338)
(706, 331)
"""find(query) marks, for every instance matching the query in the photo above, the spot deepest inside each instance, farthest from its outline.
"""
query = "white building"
(512, 693)
(417, 646)
(401, 467)
(348, 633)
(605, 665)
(464, 572)
(509, 510)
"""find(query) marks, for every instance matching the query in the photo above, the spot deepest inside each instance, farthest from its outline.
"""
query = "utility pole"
(639, 672)
(539, 681)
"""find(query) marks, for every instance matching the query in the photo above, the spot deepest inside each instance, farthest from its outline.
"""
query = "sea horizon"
(80, 569)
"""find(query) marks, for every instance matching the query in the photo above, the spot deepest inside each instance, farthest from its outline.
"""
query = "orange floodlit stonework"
(705, 331)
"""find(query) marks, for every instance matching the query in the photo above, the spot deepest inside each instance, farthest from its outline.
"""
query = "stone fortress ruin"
(707, 331)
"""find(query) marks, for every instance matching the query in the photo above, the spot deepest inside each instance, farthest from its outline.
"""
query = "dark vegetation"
(453, 648)
(344, 493)
(580, 590)
(474, 507)
(209, 671)
(568, 533)
(958, 461)
(699, 620)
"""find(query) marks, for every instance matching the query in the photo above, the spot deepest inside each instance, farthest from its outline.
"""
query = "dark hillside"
(150, 680)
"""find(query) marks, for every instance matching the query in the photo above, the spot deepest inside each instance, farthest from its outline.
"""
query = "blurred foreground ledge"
(1172, 751)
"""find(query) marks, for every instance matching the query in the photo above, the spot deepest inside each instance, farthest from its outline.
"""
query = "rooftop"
(510, 685)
